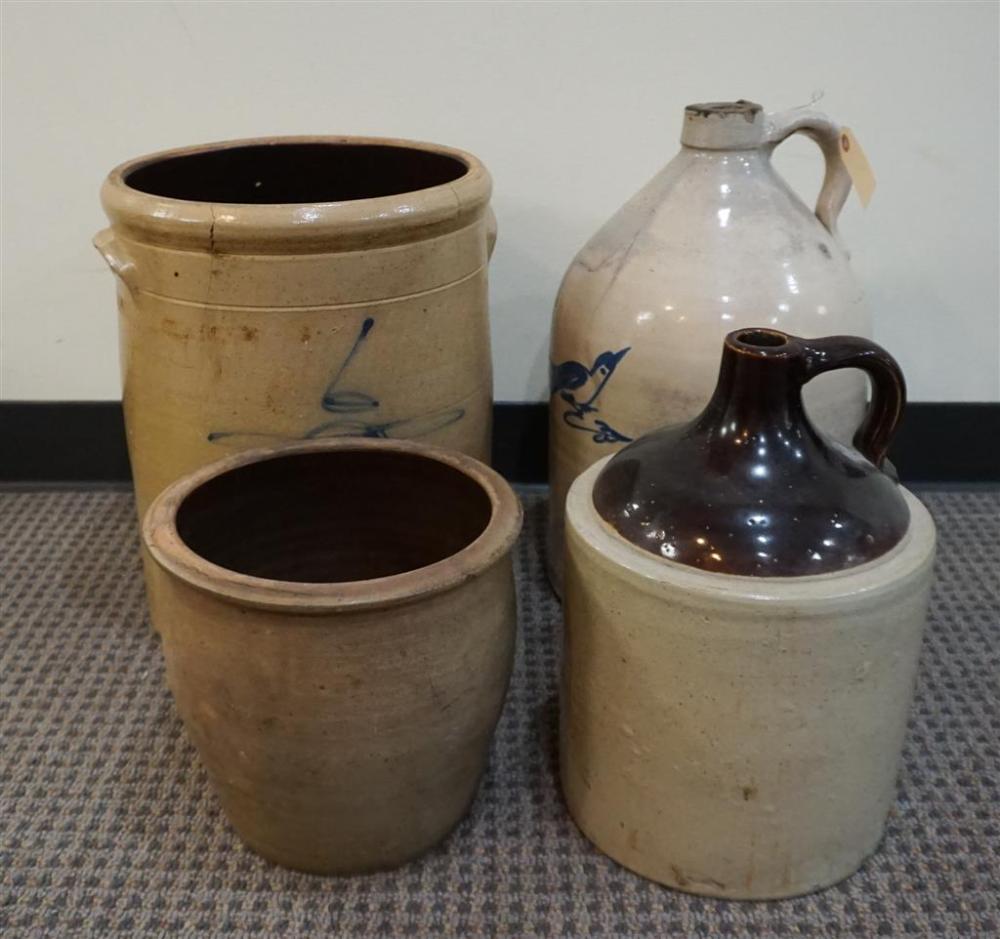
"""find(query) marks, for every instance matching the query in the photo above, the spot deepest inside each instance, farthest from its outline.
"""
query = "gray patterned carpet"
(107, 824)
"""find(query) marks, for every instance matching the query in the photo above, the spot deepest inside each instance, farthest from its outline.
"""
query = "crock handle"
(885, 411)
(122, 266)
(826, 133)
(491, 231)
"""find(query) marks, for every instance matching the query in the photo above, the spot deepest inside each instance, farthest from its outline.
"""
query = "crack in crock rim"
(173, 555)
(282, 227)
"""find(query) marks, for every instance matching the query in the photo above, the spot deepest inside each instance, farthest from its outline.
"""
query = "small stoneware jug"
(715, 241)
(338, 623)
(293, 288)
(745, 600)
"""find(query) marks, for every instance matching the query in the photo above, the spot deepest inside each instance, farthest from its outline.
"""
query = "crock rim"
(283, 227)
(172, 554)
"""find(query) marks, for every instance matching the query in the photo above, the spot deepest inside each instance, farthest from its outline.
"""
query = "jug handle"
(491, 231)
(826, 134)
(122, 266)
(885, 411)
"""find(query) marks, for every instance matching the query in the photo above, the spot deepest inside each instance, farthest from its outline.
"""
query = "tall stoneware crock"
(286, 289)
(338, 623)
(715, 241)
(745, 600)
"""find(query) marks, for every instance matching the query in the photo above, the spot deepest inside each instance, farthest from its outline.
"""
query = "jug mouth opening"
(723, 125)
(335, 523)
(762, 343)
(761, 338)
(294, 172)
(746, 109)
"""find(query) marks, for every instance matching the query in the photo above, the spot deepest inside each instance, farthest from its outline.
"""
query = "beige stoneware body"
(247, 324)
(344, 726)
(715, 241)
(735, 736)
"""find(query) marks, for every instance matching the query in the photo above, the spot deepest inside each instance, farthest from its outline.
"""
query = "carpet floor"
(108, 825)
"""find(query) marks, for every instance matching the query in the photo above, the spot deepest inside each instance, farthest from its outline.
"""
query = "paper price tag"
(858, 167)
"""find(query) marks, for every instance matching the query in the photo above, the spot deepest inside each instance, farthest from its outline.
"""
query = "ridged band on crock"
(159, 532)
(836, 591)
(281, 228)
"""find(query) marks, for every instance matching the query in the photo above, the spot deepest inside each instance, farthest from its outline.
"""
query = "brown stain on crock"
(249, 333)
(682, 881)
(698, 884)
(171, 328)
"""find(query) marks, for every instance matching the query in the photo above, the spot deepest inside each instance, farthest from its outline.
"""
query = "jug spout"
(723, 125)
(110, 248)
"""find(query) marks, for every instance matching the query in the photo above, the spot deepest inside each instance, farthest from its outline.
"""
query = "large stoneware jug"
(289, 289)
(714, 242)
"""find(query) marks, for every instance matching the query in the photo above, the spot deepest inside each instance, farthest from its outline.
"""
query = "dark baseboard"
(84, 442)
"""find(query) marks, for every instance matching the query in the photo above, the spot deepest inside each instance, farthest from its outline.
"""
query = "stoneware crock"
(338, 622)
(291, 288)
(715, 241)
(744, 606)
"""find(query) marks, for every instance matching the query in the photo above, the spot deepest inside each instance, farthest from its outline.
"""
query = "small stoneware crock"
(338, 622)
(745, 600)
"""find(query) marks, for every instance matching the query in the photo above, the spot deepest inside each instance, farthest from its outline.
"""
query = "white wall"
(572, 106)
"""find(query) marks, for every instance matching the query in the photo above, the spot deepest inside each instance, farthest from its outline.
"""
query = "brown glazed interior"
(334, 516)
(295, 172)
(750, 486)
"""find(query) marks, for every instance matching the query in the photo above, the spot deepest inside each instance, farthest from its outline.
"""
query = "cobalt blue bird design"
(580, 387)
(335, 400)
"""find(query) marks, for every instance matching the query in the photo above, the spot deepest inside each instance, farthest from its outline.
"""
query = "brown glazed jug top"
(750, 486)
